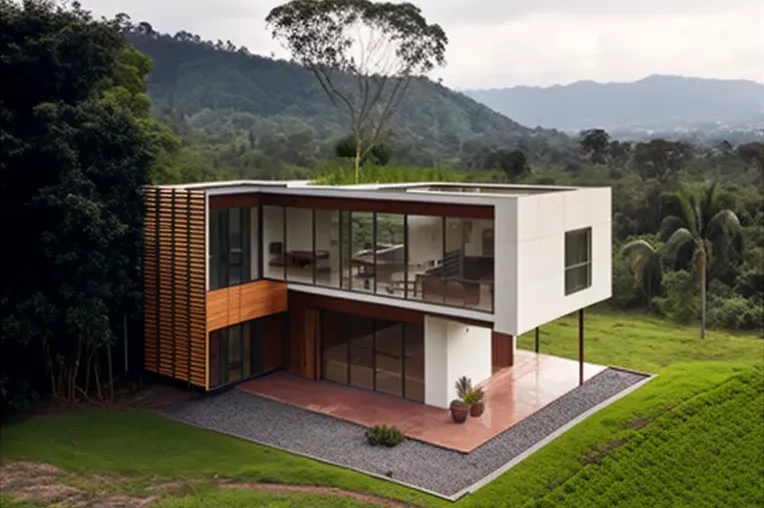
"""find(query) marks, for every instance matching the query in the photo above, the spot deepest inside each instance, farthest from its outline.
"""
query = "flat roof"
(460, 192)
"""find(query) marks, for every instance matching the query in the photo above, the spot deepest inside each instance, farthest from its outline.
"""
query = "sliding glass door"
(373, 354)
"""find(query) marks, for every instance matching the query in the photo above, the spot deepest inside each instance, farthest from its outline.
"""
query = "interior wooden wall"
(175, 284)
(502, 350)
(244, 302)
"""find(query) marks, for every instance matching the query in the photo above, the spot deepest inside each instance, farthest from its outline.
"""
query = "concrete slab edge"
(551, 437)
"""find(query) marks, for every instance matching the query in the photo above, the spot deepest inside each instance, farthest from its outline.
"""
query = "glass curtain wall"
(299, 256)
(425, 246)
(362, 251)
(373, 354)
(231, 237)
(390, 259)
(441, 260)
(273, 253)
(327, 233)
(247, 349)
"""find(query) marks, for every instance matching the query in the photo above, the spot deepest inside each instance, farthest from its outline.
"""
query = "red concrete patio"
(511, 395)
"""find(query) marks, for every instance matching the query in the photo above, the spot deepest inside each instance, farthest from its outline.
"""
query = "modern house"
(398, 288)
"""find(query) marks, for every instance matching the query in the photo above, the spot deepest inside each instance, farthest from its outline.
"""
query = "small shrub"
(382, 435)
(473, 396)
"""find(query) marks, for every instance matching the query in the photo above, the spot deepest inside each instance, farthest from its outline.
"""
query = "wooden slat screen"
(175, 284)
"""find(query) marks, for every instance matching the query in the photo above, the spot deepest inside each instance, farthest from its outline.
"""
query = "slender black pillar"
(581, 347)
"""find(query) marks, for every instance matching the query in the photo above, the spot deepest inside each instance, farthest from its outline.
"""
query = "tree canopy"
(382, 46)
(78, 149)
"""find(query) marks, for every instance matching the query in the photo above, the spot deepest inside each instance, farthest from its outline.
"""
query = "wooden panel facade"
(244, 302)
(304, 351)
(502, 350)
(175, 284)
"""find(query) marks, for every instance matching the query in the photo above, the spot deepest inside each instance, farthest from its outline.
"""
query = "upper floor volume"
(518, 256)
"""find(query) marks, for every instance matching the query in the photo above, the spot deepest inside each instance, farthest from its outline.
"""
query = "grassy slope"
(708, 452)
(145, 445)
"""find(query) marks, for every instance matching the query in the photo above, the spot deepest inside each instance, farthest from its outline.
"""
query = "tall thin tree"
(697, 221)
(382, 47)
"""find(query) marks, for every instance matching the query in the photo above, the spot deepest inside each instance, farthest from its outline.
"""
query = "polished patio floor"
(512, 394)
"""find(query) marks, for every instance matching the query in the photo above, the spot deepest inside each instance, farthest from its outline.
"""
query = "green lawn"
(148, 448)
(640, 342)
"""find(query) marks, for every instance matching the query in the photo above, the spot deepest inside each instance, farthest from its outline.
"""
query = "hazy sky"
(497, 43)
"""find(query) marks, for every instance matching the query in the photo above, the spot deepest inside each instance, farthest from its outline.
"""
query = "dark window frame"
(586, 265)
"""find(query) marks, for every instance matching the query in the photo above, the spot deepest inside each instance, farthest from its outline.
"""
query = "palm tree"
(697, 221)
(645, 263)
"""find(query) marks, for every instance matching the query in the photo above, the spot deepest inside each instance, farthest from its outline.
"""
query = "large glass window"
(361, 335)
(413, 362)
(362, 251)
(231, 238)
(247, 349)
(300, 257)
(274, 253)
(578, 260)
(346, 250)
(388, 364)
(469, 263)
(327, 232)
(390, 258)
(381, 355)
(425, 258)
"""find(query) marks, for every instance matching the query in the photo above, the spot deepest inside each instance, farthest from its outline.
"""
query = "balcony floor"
(512, 394)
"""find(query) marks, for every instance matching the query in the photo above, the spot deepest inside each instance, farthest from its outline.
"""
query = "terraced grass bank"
(707, 452)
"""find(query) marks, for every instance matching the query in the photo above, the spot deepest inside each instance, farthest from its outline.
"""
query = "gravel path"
(414, 463)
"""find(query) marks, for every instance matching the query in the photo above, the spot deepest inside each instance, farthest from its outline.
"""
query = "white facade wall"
(531, 282)
(453, 350)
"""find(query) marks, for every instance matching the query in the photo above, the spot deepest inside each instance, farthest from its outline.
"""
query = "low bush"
(382, 435)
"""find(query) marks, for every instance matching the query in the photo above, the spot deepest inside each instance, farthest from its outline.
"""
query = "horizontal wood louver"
(175, 284)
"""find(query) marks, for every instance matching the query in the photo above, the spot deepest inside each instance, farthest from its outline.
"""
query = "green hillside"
(223, 89)
(707, 452)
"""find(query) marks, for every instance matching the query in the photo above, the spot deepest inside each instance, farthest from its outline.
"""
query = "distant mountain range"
(653, 104)
(227, 91)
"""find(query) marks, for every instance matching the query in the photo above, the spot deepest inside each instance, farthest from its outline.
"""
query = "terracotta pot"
(477, 408)
(459, 411)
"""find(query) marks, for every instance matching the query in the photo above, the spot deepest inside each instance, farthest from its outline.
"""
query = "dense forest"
(81, 138)
(255, 116)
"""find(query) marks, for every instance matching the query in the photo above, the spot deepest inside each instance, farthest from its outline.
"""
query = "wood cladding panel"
(175, 284)
(502, 350)
(237, 304)
(274, 333)
(303, 330)
(379, 205)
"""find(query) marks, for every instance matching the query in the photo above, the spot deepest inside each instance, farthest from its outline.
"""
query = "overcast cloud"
(497, 43)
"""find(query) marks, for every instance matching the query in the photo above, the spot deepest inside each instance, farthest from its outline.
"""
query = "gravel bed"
(414, 463)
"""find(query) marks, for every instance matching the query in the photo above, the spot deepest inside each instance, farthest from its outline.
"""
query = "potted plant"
(459, 410)
(474, 399)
